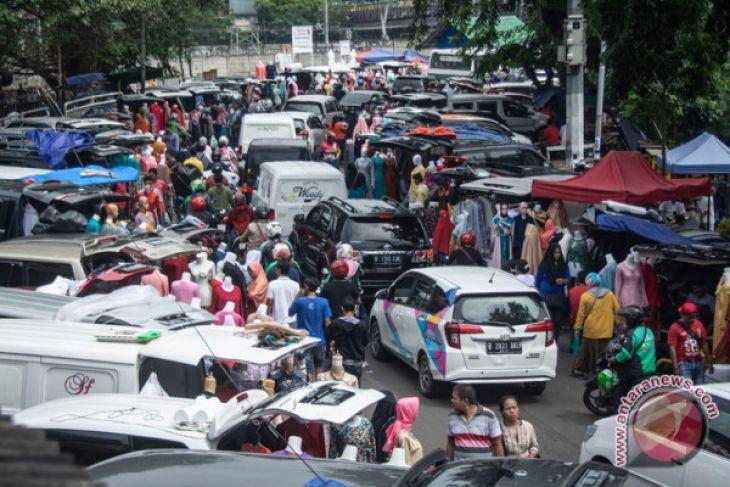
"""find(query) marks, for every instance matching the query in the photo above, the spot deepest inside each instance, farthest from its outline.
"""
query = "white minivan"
(465, 324)
(42, 360)
(293, 187)
(265, 126)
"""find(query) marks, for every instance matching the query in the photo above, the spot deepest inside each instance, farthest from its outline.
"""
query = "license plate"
(511, 346)
(387, 260)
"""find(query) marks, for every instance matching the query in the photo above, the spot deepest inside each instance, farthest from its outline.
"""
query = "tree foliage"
(98, 35)
(276, 18)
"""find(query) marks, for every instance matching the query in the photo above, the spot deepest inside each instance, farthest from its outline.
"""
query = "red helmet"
(468, 239)
(687, 309)
(198, 203)
(339, 269)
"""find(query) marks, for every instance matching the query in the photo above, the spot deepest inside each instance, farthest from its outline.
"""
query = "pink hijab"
(360, 128)
(406, 412)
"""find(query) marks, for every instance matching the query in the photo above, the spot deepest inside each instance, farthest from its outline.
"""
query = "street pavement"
(558, 415)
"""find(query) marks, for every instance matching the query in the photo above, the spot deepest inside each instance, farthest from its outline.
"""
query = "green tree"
(276, 18)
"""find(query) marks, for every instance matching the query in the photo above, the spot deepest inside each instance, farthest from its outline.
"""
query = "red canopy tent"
(623, 177)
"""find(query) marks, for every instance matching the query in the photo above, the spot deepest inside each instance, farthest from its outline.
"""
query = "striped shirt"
(474, 439)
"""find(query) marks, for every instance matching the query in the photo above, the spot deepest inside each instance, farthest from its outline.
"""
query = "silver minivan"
(513, 114)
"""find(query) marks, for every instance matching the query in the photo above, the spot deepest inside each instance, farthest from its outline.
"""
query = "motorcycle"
(602, 394)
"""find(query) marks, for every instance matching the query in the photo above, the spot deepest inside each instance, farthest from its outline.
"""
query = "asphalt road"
(558, 415)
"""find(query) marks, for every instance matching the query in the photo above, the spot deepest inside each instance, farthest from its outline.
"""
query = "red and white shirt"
(688, 348)
(474, 439)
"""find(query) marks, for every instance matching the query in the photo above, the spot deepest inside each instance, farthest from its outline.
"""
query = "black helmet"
(261, 212)
(633, 315)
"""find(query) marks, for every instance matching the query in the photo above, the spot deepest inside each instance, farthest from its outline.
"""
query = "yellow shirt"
(597, 319)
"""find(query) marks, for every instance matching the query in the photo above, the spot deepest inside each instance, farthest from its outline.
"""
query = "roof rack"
(343, 203)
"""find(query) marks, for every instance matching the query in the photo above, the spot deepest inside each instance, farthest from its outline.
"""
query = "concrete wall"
(237, 60)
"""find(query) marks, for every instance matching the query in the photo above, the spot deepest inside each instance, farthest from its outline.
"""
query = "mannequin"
(157, 280)
(349, 453)
(722, 301)
(294, 444)
(531, 251)
(629, 282)
(358, 432)
(229, 311)
(185, 289)
(503, 227)
(337, 373)
(227, 257)
(224, 293)
(608, 273)
(93, 227)
(577, 256)
(202, 272)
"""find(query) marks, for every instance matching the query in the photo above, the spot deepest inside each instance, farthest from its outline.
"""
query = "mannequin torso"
(202, 273)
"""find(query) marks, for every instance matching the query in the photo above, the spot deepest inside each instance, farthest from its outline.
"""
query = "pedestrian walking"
(688, 346)
(400, 433)
(474, 431)
(519, 435)
(281, 293)
(593, 324)
(313, 314)
(550, 280)
(350, 336)
(339, 289)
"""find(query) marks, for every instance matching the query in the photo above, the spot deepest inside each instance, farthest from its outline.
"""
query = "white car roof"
(475, 280)
(190, 345)
(510, 186)
(299, 168)
(265, 118)
(312, 98)
(300, 115)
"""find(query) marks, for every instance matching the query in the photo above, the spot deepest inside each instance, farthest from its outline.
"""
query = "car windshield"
(515, 310)
(355, 98)
(486, 474)
(415, 83)
(398, 231)
(259, 156)
(301, 106)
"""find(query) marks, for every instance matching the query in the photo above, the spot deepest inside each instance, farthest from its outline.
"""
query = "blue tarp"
(705, 154)
(53, 145)
(378, 55)
(90, 175)
(410, 55)
(656, 232)
(82, 79)
(472, 131)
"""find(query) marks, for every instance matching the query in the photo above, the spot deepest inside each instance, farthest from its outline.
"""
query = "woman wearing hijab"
(378, 176)
(399, 434)
(382, 418)
(417, 169)
(552, 276)
(221, 120)
(390, 175)
(141, 124)
(346, 253)
(547, 234)
(156, 111)
(442, 237)
(257, 288)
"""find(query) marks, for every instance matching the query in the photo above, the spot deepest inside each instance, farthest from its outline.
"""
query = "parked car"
(412, 84)
(504, 109)
(424, 99)
(709, 466)
(323, 106)
(455, 119)
(196, 424)
(516, 160)
(176, 468)
(465, 324)
(389, 239)
(271, 150)
(309, 127)
(91, 125)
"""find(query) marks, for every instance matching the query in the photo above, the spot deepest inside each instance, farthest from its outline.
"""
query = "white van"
(265, 126)
(45, 360)
(293, 187)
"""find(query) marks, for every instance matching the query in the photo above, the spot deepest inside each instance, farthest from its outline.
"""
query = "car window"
(463, 105)
(42, 273)
(469, 474)
(301, 106)
(315, 123)
(487, 106)
(398, 232)
(11, 274)
(144, 443)
(509, 157)
(331, 106)
(438, 300)
(718, 437)
(520, 309)
(89, 447)
(422, 294)
(314, 217)
(530, 159)
(403, 289)
(514, 109)
(324, 220)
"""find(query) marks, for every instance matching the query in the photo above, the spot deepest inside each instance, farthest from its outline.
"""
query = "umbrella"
(414, 57)
(378, 55)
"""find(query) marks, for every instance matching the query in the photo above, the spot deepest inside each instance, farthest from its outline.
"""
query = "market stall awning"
(133, 75)
(53, 145)
(377, 55)
(414, 57)
(623, 177)
(656, 232)
(705, 154)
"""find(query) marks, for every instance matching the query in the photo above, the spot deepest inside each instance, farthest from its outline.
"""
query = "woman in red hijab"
(547, 235)
(442, 237)
(141, 124)
(156, 111)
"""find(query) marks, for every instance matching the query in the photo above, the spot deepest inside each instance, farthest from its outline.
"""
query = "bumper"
(501, 376)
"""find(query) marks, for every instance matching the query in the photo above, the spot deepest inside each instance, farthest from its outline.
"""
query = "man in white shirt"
(281, 294)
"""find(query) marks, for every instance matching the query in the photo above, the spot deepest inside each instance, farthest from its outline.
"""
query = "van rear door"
(294, 196)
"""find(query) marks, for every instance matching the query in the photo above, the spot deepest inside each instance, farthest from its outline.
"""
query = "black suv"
(388, 238)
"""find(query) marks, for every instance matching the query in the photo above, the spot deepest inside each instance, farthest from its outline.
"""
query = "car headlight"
(590, 431)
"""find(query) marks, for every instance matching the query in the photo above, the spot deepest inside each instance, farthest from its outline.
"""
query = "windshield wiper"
(499, 323)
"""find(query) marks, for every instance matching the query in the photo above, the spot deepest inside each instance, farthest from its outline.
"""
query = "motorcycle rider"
(637, 356)
(255, 234)
(267, 248)
(467, 254)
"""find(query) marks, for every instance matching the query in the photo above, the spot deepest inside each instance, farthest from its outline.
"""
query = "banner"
(302, 39)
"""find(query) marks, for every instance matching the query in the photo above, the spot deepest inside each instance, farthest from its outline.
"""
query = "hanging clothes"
(531, 250)
(556, 212)
(220, 318)
(357, 432)
(442, 233)
(379, 177)
(503, 229)
(651, 285)
(221, 297)
(577, 256)
(547, 234)
(629, 285)
(185, 291)
(518, 235)
(158, 281)
(722, 301)
(608, 276)
(390, 176)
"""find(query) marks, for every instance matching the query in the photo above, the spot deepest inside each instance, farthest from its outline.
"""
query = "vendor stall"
(705, 154)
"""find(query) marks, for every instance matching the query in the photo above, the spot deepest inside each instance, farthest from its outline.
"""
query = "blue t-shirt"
(311, 313)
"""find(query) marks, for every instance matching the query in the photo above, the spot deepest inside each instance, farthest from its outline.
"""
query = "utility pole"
(326, 26)
(143, 50)
(599, 102)
(573, 55)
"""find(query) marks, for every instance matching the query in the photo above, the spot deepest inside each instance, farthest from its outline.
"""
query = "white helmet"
(345, 251)
(273, 229)
(223, 140)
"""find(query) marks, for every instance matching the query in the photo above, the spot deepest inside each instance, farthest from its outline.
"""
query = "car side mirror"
(299, 219)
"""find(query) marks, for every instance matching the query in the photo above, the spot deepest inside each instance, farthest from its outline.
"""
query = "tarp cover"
(378, 55)
(623, 177)
(90, 175)
(82, 79)
(433, 132)
(53, 145)
(469, 131)
(413, 56)
(656, 232)
(705, 154)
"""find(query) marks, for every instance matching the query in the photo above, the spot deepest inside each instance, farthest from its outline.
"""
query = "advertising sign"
(302, 39)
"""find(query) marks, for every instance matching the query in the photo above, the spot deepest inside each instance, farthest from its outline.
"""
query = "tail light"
(423, 256)
(272, 214)
(545, 327)
(454, 331)
(303, 134)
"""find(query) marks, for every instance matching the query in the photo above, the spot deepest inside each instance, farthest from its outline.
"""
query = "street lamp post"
(326, 25)
(143, 50)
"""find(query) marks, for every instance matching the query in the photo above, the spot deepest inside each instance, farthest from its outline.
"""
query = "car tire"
(376, 341)
(427, 386)
(535, 388)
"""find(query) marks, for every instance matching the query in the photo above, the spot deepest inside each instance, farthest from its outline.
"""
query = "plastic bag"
(153, 388)
(70, 221)
(49, 214)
